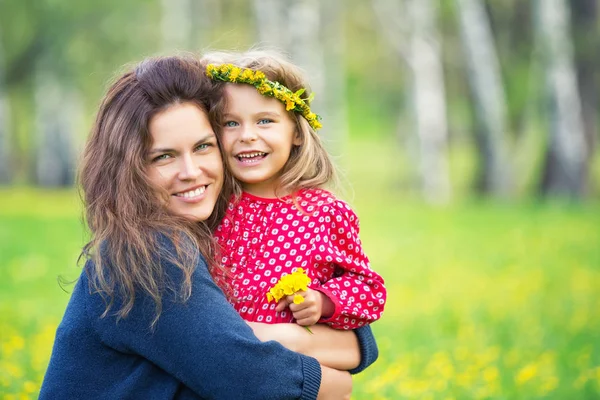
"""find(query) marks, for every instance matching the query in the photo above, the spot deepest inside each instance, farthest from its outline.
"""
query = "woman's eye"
(203, 146)
(161, 157)
(230, 124)
(264, 121)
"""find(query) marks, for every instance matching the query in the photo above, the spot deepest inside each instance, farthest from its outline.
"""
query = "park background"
(466, 133)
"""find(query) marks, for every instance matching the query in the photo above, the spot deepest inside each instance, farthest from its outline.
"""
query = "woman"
(145, 319)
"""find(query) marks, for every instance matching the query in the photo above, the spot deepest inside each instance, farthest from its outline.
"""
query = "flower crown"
(291, 100)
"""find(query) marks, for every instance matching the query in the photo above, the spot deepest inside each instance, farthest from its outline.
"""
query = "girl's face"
(258, 136)
(185, 160)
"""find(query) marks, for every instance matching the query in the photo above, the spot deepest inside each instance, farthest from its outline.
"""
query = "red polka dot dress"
(263, 239)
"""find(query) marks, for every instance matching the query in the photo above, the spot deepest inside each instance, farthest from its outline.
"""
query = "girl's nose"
(248, 134)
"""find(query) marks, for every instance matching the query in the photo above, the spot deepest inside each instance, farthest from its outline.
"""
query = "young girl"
(284, 220)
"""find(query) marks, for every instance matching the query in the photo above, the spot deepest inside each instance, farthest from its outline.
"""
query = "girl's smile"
(258, 136)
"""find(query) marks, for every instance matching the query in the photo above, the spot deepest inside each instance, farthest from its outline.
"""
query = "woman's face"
(185, 160)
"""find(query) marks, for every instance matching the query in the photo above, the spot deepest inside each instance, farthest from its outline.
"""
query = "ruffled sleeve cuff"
(336, 302)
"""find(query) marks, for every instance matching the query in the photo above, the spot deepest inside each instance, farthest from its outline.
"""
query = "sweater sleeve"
(357, 291)
(368, 348)
(207, 346)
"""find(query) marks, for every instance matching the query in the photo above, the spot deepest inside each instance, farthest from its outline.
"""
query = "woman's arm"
(206, 345)
(344, 350)
(335, 384)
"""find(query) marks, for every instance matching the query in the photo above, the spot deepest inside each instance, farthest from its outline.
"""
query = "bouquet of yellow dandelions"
(288, 285)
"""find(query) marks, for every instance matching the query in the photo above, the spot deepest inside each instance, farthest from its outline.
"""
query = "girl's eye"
(264, 121)
(230, 124)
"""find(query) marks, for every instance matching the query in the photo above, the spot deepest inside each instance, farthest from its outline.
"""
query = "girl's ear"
(297, 138)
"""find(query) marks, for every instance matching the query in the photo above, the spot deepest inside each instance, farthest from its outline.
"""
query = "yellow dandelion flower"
(30, 387)
(490, 374)
(225, 68)
(235, 73)
(288, 285)
(526, 373)
(298, 299)
(210, 70)
(247, 74)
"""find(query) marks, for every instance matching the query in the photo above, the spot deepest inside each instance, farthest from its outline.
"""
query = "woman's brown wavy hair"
(127, 219)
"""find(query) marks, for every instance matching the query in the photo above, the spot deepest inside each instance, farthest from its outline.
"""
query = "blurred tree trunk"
(587, 58)
(334, 94)
(565, 166)
(305, 46)
(414, 35)
(311, 32)
(56, 110)
(5, 158)
(271, 23)
(487, 90)
(177, 25)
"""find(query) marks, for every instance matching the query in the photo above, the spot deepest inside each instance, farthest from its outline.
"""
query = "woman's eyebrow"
(206, 138)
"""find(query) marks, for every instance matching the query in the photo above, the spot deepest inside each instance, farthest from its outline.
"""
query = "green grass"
(486, 300)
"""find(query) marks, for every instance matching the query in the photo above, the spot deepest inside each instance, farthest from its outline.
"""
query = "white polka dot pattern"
(263, 239)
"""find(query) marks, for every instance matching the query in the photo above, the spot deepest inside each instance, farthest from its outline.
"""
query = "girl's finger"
(283, 303)
(304, 314)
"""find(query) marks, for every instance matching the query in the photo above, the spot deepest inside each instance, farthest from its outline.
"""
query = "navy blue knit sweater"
(200, 349)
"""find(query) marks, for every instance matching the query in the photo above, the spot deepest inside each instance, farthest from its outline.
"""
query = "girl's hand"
(310, 311)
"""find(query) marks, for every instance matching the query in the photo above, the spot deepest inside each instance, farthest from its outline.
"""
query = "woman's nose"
(189, 168)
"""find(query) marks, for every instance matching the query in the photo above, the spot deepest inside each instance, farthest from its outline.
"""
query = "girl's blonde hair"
(309, 165)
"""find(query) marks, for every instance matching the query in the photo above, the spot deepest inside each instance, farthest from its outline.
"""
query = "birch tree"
(305, 46)
(586, 39)
(271, 22)
(177, 24)
(310, 31)
(334, 95)
(5, 164)
(485, 82)
(564, 169)
(412, 31)
(56, 112)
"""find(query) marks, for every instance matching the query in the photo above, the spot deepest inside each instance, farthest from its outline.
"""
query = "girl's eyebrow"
(205, 139)
(260, 113)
